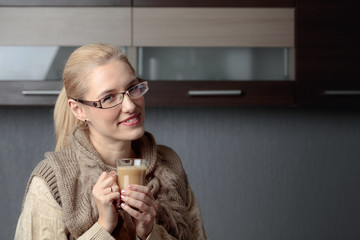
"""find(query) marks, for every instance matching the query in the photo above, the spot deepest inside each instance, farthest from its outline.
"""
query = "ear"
(77, 109)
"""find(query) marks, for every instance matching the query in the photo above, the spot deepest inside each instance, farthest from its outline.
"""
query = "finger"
(142, 189)
(109, 181)
(115, 188)
(113, 173)
(139, 200)
(139, 205)
(143, 194)
(108, 190)
(112, 189)
(114, 196)
(98, 186)
(137, 196)
(102, 177)
(132, 212)
(108, 199)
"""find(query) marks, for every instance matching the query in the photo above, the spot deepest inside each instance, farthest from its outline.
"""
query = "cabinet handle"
(40, 92)
(341, 93)
(215, 92)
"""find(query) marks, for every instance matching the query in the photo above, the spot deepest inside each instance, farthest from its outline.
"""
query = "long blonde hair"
(75, 76)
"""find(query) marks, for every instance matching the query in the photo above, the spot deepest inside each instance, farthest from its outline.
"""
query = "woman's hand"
(141, 206)
(106, 193)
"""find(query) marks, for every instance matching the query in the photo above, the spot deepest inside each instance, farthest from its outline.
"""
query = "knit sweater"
(71, 173)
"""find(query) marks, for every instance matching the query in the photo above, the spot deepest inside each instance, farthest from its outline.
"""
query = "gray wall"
(258, 173)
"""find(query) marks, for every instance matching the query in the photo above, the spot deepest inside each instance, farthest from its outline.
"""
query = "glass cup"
(131, 171)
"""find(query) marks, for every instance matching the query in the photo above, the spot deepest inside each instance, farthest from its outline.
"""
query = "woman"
(73, 193)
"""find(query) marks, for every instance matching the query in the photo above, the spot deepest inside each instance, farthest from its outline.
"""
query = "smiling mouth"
(131, 121)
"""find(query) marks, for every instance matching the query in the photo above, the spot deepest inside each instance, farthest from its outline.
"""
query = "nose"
(127, 104)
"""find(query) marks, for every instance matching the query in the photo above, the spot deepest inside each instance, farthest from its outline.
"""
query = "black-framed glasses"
(112, 100)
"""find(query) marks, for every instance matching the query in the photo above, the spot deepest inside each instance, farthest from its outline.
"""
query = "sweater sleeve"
(42, 217)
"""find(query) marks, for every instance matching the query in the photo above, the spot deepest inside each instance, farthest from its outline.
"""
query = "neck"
(110, 151)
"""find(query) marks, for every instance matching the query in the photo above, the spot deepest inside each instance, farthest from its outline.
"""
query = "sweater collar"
(144, 147)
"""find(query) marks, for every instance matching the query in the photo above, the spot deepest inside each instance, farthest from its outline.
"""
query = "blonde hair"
(75, 77)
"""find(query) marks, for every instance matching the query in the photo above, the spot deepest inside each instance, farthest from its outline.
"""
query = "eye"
(108, 98)
(135, 88)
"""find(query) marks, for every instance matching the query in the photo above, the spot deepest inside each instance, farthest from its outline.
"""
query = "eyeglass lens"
(134, 92)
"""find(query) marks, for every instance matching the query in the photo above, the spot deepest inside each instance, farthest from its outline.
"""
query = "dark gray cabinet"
(327, 58)
(34, 93)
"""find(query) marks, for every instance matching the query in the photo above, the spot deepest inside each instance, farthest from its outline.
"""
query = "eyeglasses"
(112, 100)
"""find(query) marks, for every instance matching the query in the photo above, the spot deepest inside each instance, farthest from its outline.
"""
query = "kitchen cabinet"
(328, 50)
(34, 93)
(256, 26)
(51, 27)
(220, 93)
(213, 3)
(69, 3)
(198, 76)
(214, 27)
(64, 26)
(201, 27)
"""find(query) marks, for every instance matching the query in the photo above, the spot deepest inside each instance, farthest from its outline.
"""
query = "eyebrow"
(104, 93)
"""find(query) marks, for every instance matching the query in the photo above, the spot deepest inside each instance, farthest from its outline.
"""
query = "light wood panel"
(57, 3)
(213, 3)
(65, 26)
(248, 27)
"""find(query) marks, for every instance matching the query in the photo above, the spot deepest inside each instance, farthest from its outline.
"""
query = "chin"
(139, 134)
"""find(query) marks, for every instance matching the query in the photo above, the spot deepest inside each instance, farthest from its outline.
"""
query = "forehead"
(114, 75)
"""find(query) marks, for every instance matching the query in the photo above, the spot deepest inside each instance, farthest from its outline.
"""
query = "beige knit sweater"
(71, 173)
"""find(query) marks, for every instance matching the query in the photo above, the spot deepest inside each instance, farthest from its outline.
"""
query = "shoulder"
(62, 162)
(39, 190)
(53, 162)
(169, 157)
(53, 169)
(166, 151)
(63, 155)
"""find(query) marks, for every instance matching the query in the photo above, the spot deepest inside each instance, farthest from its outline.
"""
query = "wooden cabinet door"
(70, 3)
(65, 26)
(214, 27)
(213, 3)
(327, 53)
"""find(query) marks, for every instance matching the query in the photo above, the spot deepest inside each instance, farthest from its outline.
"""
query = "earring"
(85, 123)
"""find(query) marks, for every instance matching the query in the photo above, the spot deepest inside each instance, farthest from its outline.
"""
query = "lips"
(131, 121)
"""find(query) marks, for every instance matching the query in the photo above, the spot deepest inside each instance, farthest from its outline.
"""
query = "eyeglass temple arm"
(96, 104)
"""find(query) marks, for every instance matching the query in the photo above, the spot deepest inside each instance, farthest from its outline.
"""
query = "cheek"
(140, 103)
(104, 116)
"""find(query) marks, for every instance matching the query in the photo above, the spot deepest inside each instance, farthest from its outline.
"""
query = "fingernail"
(122, 197)
(130, 186)
(123, 192)
(123, 205)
